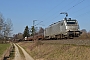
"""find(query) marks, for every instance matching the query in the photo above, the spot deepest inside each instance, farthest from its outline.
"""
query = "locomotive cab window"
(71, 22)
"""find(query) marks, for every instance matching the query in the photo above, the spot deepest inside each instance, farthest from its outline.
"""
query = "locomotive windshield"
(71, 21)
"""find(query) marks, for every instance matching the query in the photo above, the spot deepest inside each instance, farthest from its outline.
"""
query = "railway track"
(65, 41)
(68, 41)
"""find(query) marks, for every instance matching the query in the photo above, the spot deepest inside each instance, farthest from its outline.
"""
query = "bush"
(85, 35)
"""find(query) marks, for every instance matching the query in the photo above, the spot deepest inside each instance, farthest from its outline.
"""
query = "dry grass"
(54, 51)
(85, 35)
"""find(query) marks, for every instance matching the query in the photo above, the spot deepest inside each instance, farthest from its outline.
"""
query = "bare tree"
(84, 30)
(41, 30)
(20, 36)
(1, 25)
(7, 28)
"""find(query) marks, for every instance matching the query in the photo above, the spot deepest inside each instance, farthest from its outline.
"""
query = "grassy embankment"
(54, 51)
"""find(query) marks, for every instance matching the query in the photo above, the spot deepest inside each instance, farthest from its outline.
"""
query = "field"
(58, 49)
(3, 47)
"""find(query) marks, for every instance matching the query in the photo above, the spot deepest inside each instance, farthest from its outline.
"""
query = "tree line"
(5, 27)
(29, 32)
(35, 31)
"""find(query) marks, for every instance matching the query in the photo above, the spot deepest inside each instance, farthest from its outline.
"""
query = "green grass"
(3, 47)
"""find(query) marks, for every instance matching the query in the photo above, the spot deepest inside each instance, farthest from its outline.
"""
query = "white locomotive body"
(63, 29)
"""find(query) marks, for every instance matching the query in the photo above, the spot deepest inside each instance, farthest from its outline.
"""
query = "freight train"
(65, 28)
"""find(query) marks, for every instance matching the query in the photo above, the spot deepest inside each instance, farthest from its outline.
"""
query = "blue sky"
(23, 12)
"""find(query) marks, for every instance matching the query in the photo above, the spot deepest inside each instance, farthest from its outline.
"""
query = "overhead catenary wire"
(59, 11)
(80, 15)
(71, 7)
(79, 3)
(55, 17)
(66, 10)
(81, 9)
(62, 8)
(75, 5)
(52, 9)
(83, 14)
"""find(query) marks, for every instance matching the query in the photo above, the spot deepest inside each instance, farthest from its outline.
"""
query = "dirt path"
(27, 56)
(17, 54)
